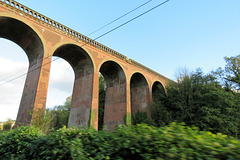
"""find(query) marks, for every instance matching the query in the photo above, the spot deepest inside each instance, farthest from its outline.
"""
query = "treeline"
(209, 101)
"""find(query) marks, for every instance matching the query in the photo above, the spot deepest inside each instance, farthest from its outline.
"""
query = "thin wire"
(119, 18)
(132, 19)
(13, 74)
(93, 39)
(28, 72)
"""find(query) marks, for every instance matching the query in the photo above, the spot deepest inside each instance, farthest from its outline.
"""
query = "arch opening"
(140, 97)
(83, 68)
(24, 36)
(101, 101)
(13, 62)
(115, 100)
(157, 91)
(59, 92)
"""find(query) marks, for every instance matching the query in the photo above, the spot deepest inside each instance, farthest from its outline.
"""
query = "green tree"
(7, 125)
(230, 76)
(101, 103)
(54, 118)
(57, 117)
(232, 70)
(200, 100)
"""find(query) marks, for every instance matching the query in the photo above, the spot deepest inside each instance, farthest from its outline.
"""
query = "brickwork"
(41, 38)
(140, 96)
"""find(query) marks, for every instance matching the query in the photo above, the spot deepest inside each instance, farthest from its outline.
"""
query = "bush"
(141, 117)
(18, 143)
(141, 141)
(55, 145)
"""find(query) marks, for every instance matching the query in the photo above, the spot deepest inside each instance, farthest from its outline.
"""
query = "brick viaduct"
(129, 85)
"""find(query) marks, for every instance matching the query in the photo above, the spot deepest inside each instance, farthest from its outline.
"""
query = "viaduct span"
(130, 86)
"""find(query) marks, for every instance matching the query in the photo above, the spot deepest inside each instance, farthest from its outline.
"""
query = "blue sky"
(186, 33)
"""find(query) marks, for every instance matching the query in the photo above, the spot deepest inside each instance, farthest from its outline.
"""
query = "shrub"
(140, 141)
(18, 143)
(141, 117)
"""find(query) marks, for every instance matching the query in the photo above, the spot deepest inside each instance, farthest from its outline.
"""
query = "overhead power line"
(119, 17)
(93, 39)
(132, 19)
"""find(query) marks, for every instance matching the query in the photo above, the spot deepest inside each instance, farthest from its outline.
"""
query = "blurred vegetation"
(175, 141)
(6, 126)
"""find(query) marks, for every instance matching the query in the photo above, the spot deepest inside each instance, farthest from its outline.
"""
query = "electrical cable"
(119, 18)
(132, 19)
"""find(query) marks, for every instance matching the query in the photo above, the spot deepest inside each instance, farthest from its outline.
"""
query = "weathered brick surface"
(140, 96)
(41, 38)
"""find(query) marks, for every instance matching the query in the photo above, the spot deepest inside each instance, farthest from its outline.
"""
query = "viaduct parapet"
(130, 86)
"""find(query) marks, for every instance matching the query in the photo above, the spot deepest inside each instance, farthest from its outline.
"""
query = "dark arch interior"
(157, 91)
(75, 56)
(115, 98)
(111, 70)
(140, 98)
(23, 35)
(138, 79)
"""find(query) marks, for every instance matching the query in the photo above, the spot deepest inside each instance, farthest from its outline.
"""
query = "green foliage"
(55, 145)
(230, 76)
(102, 94)
(18, 143)
(141, 117)
(55, 118)
(141, 141)
(7, 125)
(232, 70)
(199, 100)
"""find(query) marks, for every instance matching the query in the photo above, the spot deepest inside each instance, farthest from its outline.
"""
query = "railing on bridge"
(71, 33)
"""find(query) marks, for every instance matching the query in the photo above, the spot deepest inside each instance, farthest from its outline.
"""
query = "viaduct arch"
(130, 86)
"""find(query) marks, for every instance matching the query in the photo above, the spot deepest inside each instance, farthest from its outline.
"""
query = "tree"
(101, 103)
(54, 118)
(232, 70)
(58, 116)
(198, 99)
(7, 125)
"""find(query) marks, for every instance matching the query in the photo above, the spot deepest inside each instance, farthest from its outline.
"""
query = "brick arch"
(82, 94)
(140, 93)
(157, 90)
(81, 48)
(24, 35)
(115, 101)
